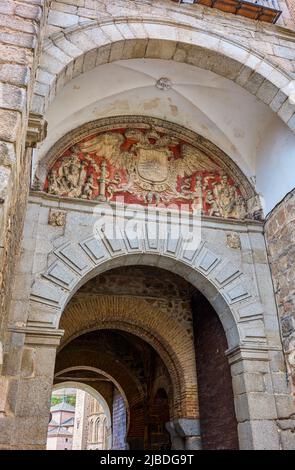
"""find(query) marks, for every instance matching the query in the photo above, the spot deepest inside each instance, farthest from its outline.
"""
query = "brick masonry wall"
(216, 402)
(119, 422)
(280, 240)
(21, 29)
(165, 292)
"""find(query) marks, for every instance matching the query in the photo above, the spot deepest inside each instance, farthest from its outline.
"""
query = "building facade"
(92, 427)
(61, 426)
(147, 215)
(83, 426)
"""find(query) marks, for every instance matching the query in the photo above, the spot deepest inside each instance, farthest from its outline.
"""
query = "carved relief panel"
(148, 165)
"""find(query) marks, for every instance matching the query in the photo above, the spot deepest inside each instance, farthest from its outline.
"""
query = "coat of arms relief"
(146, 166)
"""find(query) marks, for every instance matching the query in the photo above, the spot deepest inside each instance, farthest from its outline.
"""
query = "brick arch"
(136, 316)
(99, 42)
(118, 373)
(92, 369)
(84, 387)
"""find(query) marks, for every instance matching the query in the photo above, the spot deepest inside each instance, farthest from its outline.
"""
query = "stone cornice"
(39, 336)
(87, 206)
(249, 353)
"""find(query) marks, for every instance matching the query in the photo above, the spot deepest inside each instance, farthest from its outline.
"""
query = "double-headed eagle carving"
(149, 160)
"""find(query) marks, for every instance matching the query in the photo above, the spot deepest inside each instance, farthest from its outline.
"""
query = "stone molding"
(39, 336)
(36, 130)
(249, 353)
(87, 205)
(185, 434)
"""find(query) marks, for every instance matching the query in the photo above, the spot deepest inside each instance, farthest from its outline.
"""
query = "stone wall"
(58, 259)
(50, 266)
(22, 27)
(166, 292)
(280, 238)
(65, 13)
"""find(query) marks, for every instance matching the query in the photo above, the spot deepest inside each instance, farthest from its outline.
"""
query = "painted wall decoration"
(147, 166)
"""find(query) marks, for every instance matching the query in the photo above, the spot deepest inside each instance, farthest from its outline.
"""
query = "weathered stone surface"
(14, 74)
(258, 435)
(41, 388)
(62, 19)
(9, 125)
(12, 97)
(244, 383)
(279, 230)
(26, 430)
(255, 406)
(4, 384)
(32, 12)
(187, 427)
(6, 425)
(288, 440)
(27, 365)
(17, 24)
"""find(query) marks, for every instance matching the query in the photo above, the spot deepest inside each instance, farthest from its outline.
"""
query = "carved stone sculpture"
(57, 218)
(164, 83)
(88, 188)
(254, 209)
(148, 166)
(233, 240)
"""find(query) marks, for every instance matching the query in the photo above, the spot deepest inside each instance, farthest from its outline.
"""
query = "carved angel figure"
(72, 175)
(104, 145)
(88, 188)
(53, 182)
(212, 203)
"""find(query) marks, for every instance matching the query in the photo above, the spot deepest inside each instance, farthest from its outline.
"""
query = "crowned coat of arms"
(146, 165)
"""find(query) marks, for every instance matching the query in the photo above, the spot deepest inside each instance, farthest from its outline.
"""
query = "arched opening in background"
(128, 361)
(106, 344)
(80, 418)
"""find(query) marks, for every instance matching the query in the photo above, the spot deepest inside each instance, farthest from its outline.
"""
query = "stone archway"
(86, 387)
(228, 290)
(105, 41)
(116, 401)
(234, 277)
(130, 362)
(201, 267)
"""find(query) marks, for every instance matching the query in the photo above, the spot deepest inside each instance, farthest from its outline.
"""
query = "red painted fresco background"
(113, 173)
